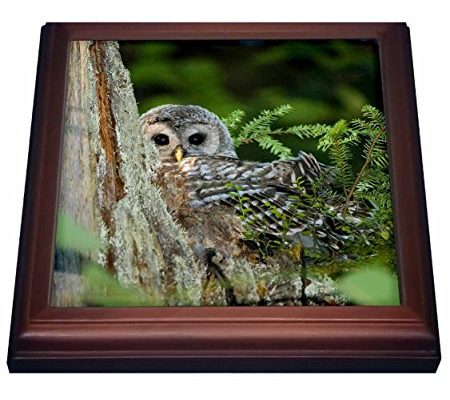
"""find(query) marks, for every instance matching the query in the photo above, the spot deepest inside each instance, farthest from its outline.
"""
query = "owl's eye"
(196, 139)
(161, 139)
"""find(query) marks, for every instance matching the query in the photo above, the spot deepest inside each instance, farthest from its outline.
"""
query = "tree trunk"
(105, 188)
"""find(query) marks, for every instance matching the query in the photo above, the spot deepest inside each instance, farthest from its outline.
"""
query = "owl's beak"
(179, 153)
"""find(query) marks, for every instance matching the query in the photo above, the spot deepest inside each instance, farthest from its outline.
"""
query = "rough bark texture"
(177, 258)
(105, 185)
(77, 182)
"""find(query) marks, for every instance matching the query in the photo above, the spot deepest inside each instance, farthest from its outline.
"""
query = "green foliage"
(337, 141)
(100, 287)
(73, 236)
(233, 120)
(259, 130)
(371, 285)
(374, 183)
(104, 290)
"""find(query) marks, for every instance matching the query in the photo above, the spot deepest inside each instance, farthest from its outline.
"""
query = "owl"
(196, 152)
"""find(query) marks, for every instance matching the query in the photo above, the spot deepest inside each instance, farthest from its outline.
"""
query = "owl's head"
(186, 131)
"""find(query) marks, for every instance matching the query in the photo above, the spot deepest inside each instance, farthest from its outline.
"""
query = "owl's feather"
(264, 190)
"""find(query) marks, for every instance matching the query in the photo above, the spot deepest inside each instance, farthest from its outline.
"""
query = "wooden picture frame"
(356, 338)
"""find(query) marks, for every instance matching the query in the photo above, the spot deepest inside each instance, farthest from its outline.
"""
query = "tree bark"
(105, 187)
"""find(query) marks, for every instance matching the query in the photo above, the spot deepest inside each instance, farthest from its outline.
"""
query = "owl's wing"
(266, 195)
(215, 179)
(304, 166)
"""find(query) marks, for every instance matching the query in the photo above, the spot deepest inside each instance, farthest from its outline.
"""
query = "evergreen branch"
(362, 170)
(304, 131)
(259, 129)
(274, 146)
(263, 121)
(336, 142)
(233, 120)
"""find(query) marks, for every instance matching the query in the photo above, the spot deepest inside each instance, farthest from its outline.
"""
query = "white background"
(20, 27)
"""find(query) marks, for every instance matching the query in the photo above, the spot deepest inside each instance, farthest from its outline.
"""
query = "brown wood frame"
(400, 338)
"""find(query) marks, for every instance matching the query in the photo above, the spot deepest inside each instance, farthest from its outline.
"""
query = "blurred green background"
(323, 80)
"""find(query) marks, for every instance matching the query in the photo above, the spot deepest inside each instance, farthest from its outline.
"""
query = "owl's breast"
(214, 225)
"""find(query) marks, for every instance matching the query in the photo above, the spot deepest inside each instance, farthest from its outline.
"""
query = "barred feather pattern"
(265, 189)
